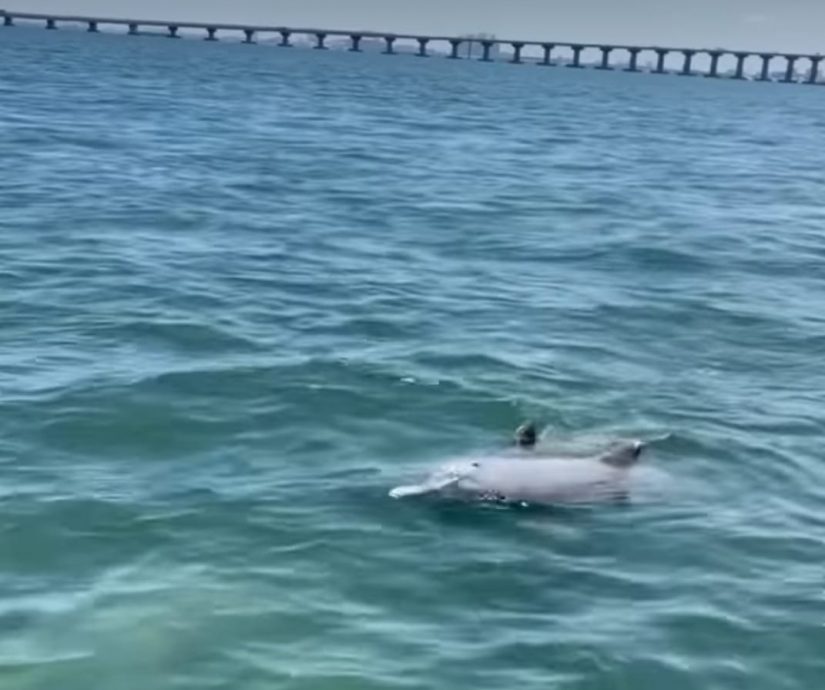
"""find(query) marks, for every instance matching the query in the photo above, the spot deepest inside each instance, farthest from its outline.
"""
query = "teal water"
(246, 291)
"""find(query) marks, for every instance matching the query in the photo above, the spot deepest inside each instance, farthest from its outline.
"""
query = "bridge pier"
(210, 34)
(814, 73)
(660, 62)
(285, 39)
(455, 43)
(389, 40)
(577, 56)
(547, 48)
(355, 43)
(686, 67)
(173, 31)
(713, 73)
(422, 47)
(740, 65)
(765, 74)
(634, 60)
(790, 73)
(8, 20)
(249, 36)
(92, 27)
(319, 41)
(51, 24)
(605, 63)
(486, 47)
(517, 47)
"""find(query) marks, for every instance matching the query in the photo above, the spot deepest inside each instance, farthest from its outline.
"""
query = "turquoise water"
(246, 291)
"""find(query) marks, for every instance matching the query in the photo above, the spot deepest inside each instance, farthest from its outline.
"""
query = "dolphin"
(533, 480)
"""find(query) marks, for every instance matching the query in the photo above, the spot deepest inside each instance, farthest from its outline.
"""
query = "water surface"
(245, 291)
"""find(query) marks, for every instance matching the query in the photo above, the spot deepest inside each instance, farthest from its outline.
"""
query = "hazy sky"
(783, 25)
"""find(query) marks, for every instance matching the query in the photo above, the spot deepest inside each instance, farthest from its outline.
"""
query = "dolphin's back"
(543, 480)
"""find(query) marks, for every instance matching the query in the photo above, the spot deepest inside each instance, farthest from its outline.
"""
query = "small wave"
(187, 337)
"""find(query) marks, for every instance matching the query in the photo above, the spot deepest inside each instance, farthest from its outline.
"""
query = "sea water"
(245, 291)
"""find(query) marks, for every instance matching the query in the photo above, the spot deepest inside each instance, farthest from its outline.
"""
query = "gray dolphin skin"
(536, 480)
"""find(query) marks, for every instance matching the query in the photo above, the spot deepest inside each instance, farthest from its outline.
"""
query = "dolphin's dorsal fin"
(526, 435)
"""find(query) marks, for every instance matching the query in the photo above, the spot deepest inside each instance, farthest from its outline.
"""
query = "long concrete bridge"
(454, 44)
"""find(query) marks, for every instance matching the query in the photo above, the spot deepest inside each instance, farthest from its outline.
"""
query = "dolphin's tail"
(627, 453)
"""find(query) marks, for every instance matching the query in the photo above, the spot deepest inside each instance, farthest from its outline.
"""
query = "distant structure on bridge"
(474, 47)
(486, 48)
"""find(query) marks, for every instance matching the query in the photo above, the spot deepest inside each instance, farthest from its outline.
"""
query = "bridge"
(454, 45)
